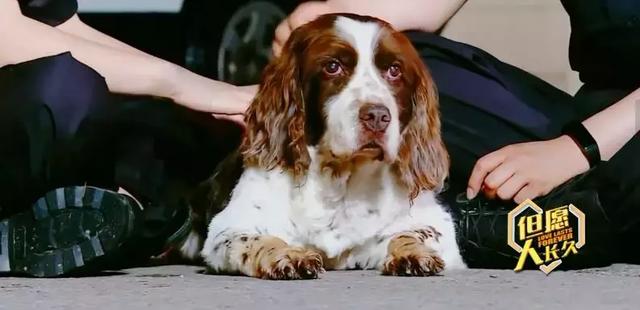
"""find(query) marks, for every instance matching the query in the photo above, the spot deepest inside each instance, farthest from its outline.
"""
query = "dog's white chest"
(350, 227)
(336, 220)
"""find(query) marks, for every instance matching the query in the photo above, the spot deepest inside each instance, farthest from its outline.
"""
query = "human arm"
(77, 27)
(529, 170)
(125, 71)
(616, 125)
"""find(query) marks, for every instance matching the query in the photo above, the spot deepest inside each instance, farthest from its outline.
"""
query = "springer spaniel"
(342, 158)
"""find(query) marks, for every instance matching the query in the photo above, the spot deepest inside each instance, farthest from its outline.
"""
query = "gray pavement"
(183, 287)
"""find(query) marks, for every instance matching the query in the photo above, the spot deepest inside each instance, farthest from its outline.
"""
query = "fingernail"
(470, 193)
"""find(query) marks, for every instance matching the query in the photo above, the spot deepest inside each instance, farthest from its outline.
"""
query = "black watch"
(588, 145)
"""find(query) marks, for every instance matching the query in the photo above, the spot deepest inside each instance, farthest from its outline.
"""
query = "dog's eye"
(393, 72)
(333, 68)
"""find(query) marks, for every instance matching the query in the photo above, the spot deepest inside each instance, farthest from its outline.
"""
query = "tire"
(213, 45)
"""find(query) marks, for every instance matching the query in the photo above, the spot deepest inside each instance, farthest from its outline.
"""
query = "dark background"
(190, 38)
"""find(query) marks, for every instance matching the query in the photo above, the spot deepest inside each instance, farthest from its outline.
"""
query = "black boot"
(69, 231)
(482, 230)
(162, 191)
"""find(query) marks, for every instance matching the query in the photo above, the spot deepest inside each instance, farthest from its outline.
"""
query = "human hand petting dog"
(303, 14)
(423, 15)
(226, 102)
(234, 109)
(526, 170)
(222, 100)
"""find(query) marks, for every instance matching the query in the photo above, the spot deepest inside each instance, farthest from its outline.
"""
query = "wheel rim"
(246, 43)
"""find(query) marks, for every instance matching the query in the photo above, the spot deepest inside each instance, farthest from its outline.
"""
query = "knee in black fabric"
(617, 182)
(42, 105)
(67, 87)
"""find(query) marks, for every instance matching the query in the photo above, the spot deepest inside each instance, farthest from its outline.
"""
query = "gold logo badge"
(545, 236)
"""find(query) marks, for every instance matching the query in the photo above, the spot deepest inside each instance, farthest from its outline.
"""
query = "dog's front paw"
(293, 264)
(415, 263)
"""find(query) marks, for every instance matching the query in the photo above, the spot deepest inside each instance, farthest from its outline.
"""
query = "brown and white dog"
(342, 159)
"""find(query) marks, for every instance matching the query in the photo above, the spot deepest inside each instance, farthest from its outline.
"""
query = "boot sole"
(65, 231)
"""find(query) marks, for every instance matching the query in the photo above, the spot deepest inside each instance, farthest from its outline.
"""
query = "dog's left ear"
(423, 162)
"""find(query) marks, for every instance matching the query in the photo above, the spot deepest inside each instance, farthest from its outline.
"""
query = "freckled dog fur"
(323, 182)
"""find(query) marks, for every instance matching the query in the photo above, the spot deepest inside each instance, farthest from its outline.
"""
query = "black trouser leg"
(162, 153)
(43, 104)
(487, 104)
(59, 126)
(618, 184)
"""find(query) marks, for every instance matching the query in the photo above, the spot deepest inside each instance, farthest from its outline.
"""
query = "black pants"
(60, 126)
(487, 104)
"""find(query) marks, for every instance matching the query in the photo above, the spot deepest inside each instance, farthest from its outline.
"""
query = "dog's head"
(354, 88)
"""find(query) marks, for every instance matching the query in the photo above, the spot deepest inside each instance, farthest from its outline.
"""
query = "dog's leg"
(413, 253)
(408, 253)
(260, 256)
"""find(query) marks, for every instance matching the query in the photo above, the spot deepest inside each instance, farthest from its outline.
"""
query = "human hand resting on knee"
(530, 170)
(526, 170)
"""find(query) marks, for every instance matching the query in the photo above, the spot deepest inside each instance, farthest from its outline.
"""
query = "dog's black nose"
(375, 117)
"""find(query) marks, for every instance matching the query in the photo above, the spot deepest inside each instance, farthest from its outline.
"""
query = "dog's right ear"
(276, 118)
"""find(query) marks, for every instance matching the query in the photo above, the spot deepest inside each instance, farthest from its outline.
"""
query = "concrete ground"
(182, 287)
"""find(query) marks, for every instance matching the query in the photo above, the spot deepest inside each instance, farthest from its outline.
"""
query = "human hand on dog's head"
(422, 15)
(303, 14)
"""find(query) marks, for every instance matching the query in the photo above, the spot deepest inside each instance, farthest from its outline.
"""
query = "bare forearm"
(425, 15)
(78, 28)
(613, 127)
(125, 72)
